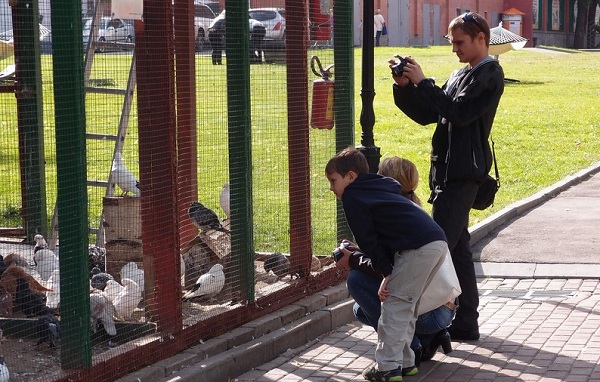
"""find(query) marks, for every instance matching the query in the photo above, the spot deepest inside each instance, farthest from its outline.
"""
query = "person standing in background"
(378, 23)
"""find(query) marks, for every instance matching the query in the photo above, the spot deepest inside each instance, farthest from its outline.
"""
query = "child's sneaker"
(375, 375)
(410, 371)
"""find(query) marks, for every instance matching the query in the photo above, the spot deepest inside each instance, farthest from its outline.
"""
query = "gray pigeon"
(47, 330)
(278, 263)
(100, 278)
(204, 218)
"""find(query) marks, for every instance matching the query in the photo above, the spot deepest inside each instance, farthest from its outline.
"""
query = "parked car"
(219, 23)
(203, 17)
(110, 30)
(7, 36)
(273, 19)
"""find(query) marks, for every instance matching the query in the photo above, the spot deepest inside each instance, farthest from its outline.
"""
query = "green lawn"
(546, 128)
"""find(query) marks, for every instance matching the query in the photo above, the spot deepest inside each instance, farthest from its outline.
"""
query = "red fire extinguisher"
(322, 102)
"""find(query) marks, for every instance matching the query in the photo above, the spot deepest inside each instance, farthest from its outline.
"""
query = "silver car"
(273, 19)
(110, 30)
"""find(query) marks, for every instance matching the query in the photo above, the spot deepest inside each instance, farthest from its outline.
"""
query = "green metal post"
(240, 143)
(28, 91)
(72, 200)
(343, 56)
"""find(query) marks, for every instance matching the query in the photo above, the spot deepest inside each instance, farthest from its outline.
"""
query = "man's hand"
(413, 71)
(400, 81)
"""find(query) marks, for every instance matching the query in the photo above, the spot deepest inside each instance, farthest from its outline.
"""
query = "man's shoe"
(409, 371)
(463, 335)
(375, 375)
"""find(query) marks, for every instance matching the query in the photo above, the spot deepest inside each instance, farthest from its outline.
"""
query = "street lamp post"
(367, 92)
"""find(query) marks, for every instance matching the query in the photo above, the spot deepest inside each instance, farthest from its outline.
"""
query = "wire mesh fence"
(161, 181)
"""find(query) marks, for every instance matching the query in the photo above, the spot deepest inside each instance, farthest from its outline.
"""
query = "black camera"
(398, 68)
(337, 253)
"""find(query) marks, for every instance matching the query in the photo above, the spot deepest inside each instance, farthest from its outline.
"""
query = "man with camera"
(464, 109)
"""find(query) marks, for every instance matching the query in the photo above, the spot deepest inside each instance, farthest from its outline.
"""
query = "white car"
(203, 17)
(110, 30)
(273, 19)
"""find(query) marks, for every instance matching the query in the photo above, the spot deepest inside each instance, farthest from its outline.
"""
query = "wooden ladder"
(119, 138)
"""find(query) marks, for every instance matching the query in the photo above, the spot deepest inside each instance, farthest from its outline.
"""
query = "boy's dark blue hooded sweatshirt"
(384, 222)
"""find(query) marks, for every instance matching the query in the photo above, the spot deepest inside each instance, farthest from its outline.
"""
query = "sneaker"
(375, 375)
(409, 371)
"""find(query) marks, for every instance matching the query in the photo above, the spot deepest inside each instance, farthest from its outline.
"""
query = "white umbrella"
(503, 40)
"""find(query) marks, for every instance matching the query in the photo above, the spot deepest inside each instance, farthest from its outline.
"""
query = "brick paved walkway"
(531, 330)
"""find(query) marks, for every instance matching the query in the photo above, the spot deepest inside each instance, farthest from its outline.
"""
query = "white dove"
(132, 272)
(224, 199)
(4, 373)
(102, 310)
(128, 299)
(209, 284)
(45, 263)
(53, 296)
(112, 289)
(40, 243)
(123, 177)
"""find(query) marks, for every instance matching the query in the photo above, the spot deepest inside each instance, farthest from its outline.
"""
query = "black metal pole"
(367, 92)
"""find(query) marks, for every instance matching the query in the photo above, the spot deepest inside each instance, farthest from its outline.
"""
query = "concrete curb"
(256, 342)
(537, 271)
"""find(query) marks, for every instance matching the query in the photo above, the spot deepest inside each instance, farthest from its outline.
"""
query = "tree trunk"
(581, 24)
(591, 22)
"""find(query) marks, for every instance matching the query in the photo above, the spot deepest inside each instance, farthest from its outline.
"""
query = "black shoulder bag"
(488, 187)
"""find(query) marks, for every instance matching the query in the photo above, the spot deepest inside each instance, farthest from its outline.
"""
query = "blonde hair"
(405, 172)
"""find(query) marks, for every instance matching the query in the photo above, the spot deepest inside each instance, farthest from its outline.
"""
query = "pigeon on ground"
(47, 329)
(204, 218)
(53, 296)
(123, 177)
(96, 258)
(102, 310)
(278, 263)
(128, 299)
(112, 290)
(132, 272)
(100, 278)
(45, 263)
(209, 284)
(224, 199)
(40, 243)
(4, 373)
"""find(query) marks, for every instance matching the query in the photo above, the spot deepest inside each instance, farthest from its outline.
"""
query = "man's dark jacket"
(464, 109)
